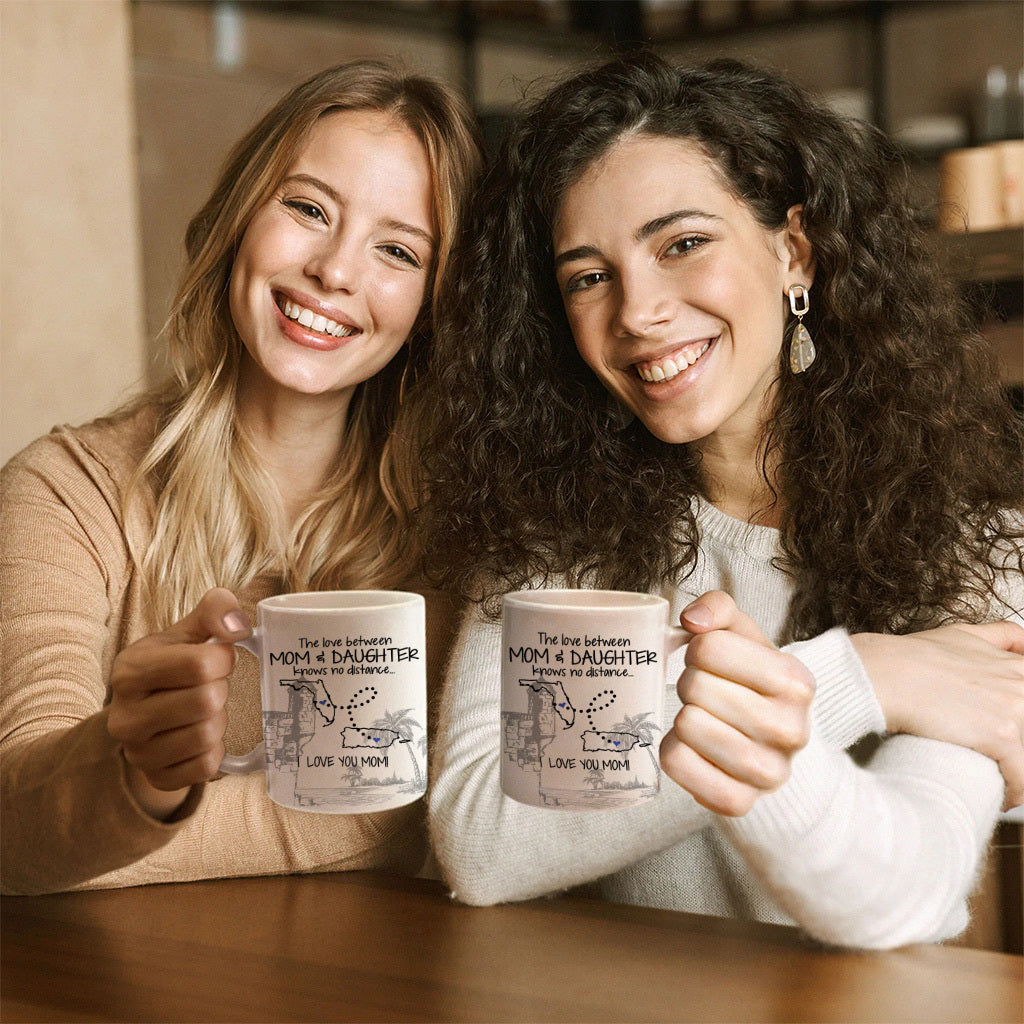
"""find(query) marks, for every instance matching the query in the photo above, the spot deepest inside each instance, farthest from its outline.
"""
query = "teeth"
(314, 321)
(671, 366)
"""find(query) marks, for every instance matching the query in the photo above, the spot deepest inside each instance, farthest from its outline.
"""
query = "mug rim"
(321, 601)
(609, 600)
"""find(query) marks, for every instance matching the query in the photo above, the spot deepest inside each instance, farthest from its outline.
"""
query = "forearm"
(68, 815)
(70, 821)
(237, 830)
(875, 857)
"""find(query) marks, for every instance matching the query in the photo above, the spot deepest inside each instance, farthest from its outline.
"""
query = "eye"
(399, 252)
(683, 246)
(306, 209)
(585, 281)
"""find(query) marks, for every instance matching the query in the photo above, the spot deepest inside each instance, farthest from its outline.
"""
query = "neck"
(297, 438)
(734, 476)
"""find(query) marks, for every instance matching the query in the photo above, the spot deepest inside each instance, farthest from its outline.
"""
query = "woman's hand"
(167, 708)
(746, 710)
(961, 683)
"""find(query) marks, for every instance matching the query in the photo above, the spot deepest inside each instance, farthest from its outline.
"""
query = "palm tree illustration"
(422, 744)
(400, 722)
(353, 775)
(594, 777)
(642, 729)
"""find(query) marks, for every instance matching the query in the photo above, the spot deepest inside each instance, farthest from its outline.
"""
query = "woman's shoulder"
(63, 498)
(80, 475)
(105, 450)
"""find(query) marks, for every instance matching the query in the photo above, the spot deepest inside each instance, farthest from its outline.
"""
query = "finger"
(755, 765)
(747, 662)
(152, 665)
(1007, 636)
(136, 722)
(705, 782)
(1014, 795)
(201, 768)
(218, 615)
(177, 746)
(717, 610)
(1009, 754)
(769, 721)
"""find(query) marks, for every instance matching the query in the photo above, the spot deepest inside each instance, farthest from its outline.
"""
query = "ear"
(797, 244)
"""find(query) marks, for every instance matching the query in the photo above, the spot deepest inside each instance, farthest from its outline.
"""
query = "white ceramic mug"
(344, 694)
(582, 692)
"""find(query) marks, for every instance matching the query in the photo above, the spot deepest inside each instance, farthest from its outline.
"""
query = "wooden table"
(369, 947)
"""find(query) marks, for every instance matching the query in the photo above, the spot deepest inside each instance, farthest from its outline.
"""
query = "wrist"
(874, 651)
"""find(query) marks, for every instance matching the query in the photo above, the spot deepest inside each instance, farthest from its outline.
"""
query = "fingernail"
(235, 622)
(698, 615)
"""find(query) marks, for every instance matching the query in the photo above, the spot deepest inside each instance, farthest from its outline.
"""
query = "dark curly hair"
(898, 457)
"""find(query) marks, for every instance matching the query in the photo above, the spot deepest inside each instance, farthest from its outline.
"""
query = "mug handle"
(676, 637)
(255, 760)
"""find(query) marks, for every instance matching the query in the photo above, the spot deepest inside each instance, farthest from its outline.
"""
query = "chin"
(673, 433)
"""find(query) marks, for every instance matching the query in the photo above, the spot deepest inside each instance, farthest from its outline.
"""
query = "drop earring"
(801, 349)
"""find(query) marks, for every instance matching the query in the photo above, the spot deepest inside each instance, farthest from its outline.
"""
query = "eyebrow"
(642, 234)
(652, 227)
(582, 252)
(335, 197)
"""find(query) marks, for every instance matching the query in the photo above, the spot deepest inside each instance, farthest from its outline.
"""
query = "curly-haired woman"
(700, 349)
(276, 460)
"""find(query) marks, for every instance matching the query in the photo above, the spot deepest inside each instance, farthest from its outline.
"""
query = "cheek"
(244, 272)
(237, 305)
(755, 311)
(398, 303)
(717, 288)
(583, 327)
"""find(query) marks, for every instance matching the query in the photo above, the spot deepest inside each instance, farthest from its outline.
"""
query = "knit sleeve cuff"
(845, 707)
(798, 807)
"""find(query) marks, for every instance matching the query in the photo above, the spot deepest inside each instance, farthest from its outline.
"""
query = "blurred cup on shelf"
(929, 135)
(971, 190)
(1011, 157)
(849, 103)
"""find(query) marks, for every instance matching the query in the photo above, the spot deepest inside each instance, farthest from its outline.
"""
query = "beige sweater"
(71, 600)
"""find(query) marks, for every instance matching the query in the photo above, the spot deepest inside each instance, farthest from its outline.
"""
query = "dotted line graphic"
(594, 706)
(371, 690)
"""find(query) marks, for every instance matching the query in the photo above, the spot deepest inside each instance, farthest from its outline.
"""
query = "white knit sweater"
(873, 857)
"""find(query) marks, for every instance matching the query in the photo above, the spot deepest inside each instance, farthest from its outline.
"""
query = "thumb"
(717, 610)
(217, 616)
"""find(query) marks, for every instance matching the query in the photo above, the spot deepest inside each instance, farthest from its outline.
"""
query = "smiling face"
(332, 270)
(674, 291)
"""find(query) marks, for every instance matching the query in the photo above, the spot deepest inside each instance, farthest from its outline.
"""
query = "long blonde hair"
(217, 516)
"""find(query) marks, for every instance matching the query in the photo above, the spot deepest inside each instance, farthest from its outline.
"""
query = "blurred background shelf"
(987, 257)
(590, 28)
(990, 266)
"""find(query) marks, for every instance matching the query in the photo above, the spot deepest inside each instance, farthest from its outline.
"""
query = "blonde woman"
(275, 460)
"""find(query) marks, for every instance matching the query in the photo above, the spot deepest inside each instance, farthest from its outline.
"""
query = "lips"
(673, 363)
(314, 321)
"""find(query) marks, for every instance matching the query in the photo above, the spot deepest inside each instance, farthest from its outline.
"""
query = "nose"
(336, 263)
(644, 304)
